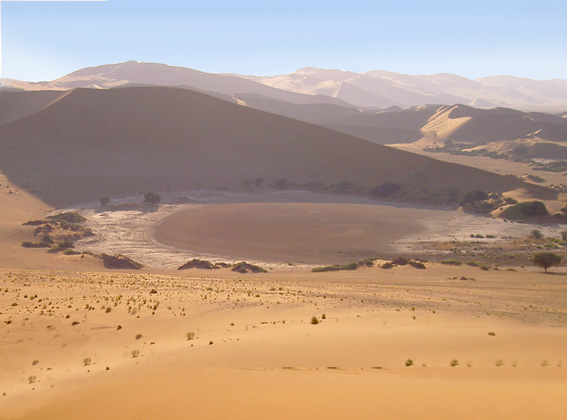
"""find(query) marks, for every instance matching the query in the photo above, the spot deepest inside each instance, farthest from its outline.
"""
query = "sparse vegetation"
(190, 335)
(454, 363)
(314, 320)
(409, 363)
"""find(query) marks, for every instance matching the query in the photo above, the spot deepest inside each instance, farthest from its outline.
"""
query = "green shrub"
(525, 210)
(69, 217)
(546, 260)
(409, 362)
(451, 262)
(336, 267)
(314, 320)
(244, 267)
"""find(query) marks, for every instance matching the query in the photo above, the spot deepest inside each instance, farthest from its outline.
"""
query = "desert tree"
(546, 260)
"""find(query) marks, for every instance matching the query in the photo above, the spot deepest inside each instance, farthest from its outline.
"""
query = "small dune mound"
(119, 262)
(244, 267)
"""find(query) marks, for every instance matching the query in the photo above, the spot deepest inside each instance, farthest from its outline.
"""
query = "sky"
(44, 40)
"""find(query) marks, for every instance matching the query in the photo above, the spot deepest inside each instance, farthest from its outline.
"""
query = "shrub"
(525, 210)
(451, 262)
(546, 260)
(387, 266)
(400, 261)
(87, 361)
(69, 217)
(244, 267)
(409, 362)
(152, 198)
(536, 234)
(417, 264)
(473, 197)
(196, 263)
(135, 353)
(336, 267)
(190, 335)
(29, 244)
(386, 189)
(120, 262)
(314, 320)
(70, 251)
(454, 363)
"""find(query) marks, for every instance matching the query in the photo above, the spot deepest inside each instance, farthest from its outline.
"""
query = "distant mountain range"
(371, 90)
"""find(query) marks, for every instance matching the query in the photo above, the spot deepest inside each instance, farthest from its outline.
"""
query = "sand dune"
(256, 353)
(95, 143)
(373, 89)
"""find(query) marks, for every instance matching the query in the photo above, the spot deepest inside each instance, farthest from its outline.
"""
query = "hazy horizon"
(46, 40)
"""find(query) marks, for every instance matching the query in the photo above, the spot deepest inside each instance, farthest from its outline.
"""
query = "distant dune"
(92, 143)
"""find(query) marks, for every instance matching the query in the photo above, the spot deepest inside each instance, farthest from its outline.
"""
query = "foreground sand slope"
(114, 345)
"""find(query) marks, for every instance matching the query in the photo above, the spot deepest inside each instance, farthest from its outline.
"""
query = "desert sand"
(115, 345)
(80, 341)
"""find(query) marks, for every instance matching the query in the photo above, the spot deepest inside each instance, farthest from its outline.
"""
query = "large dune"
(94, 143)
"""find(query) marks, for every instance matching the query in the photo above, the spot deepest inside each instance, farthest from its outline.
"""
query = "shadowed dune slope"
(94, 143)
(16, 104)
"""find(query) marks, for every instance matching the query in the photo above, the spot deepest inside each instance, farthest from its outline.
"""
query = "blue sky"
(46, 40)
